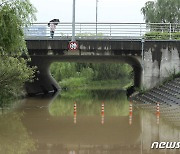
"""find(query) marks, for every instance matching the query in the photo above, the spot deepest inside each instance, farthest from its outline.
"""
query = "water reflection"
(89, 103)
(102, 113)
(93, 122)
(75, 112)
(130, 112)
(157, 113)
(14, 137)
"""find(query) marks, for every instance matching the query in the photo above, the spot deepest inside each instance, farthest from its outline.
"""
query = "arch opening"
(46, 80)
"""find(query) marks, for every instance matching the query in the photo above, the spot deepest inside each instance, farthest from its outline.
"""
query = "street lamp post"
(142, 59)
(73, 22)
(73, 45)
(96, 15)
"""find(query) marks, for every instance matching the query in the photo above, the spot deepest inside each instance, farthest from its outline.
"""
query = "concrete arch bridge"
(151, 60)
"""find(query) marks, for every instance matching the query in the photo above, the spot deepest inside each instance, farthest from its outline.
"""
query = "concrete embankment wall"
(161, 59)
(168, 97)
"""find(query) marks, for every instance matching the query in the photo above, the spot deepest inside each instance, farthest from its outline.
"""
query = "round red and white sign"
(73, 45)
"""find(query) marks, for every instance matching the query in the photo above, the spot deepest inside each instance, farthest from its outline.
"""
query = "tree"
(162, 11)
(14, 16)
(14, 72)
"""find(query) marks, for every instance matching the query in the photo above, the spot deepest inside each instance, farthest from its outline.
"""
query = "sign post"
(73, 21)
(73, 45)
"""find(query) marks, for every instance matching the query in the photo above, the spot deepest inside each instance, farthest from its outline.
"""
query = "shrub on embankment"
(157, 35)
(14, 72)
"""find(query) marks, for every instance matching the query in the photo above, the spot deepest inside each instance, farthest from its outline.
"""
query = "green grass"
(83, 83)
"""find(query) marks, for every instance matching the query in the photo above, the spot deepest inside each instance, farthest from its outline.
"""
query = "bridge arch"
(44, 82)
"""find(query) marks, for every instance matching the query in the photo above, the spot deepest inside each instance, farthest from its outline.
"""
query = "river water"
(84, 122)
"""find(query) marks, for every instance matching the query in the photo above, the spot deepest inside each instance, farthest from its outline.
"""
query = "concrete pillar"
(170, 62)
(43, 83)
(157, 71)
(151, 71)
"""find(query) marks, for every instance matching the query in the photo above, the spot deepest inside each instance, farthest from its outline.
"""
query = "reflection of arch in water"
(89, 104)
(90, 135)
(46, 81)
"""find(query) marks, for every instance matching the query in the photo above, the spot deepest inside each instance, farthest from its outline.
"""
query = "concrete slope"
(168, 98)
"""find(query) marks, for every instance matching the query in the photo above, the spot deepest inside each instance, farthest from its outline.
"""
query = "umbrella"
(56, 21)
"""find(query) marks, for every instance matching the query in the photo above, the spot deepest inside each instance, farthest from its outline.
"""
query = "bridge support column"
(43, 82)
(159, 67)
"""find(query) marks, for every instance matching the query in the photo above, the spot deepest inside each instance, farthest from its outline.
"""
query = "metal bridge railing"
(106, 30)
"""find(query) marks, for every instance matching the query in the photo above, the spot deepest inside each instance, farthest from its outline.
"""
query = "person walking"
(52, 29)
(52, 24)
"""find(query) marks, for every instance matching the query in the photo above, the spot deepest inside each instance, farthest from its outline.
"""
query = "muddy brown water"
(54, 126)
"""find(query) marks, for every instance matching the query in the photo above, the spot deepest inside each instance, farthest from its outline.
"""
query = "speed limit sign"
(73, 45)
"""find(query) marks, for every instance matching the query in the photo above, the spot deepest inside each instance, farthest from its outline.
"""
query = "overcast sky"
(108, 10)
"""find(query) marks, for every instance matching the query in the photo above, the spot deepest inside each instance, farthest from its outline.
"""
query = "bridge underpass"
(46, 83)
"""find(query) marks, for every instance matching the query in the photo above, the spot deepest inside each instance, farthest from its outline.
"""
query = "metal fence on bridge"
(106, 30)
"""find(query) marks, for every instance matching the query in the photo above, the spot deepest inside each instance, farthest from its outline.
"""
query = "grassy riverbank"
(92, 76)
(82, 83)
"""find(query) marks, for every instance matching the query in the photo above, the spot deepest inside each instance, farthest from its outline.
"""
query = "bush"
(73, 82)
(162, 36)
(14, 72)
